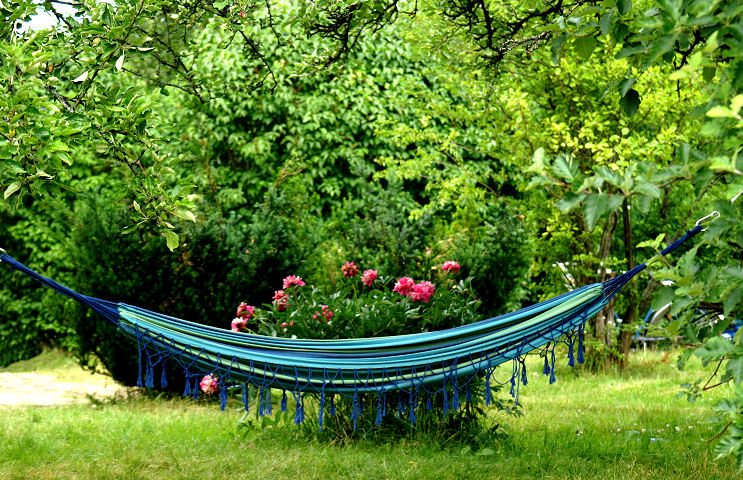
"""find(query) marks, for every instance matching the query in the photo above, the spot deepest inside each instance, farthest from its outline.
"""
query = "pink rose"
(368, 277)
(292, 280)
(450, 266)
(422, 291)
(209, 385)
(404, 286)
(349, 269)
(280, 300)
(325, 312)
(238, 324)
(245, 310)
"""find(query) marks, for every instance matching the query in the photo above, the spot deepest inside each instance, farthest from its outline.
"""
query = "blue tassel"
(469, 395)
(298, 412)
(301, 410)
(429, 403)
(187, 390)
(163, 378)
(513, 385)
(487, 388)
(260, 401)
(322, 407)
(269, 407)
(446, 400)
(149, 379)
(355, 410)
(552, 372)
(384, 405)
(455, 399)
(524, 378)
(571, 357)
(413, 402)
(378, 421)
(196, 389)
(332, 405)
(580, 345)
(139, 376)
(246, 398)
(283, 402)
(546, 366)
(222, 397)
(400, 407)
(139, 360)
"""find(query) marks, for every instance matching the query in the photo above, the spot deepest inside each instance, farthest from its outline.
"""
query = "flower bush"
(363, 305)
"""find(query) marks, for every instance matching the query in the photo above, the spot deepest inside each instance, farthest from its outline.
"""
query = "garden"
(371, 239)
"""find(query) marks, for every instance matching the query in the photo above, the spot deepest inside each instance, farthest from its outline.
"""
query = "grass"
(584, 426)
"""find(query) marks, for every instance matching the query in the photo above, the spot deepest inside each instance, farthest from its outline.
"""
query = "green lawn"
(580, 427)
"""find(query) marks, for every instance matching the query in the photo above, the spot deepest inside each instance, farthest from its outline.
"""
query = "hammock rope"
(421, 365)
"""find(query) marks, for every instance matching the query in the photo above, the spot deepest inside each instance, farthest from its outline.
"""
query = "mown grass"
(584, 426)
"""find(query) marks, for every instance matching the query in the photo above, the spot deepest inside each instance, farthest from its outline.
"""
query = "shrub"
(198, 283)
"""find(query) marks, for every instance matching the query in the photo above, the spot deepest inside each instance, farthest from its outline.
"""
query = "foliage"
(199, 284)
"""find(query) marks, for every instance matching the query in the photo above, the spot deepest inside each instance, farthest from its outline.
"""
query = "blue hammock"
(442, 363)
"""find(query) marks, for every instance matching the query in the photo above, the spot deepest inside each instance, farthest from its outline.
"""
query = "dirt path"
(53, 378)
(31, 388)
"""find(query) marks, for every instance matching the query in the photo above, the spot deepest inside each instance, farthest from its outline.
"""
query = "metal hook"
(712, 216)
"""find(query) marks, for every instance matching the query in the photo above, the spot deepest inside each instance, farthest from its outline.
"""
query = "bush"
(221, 260)
(497, 253)
(31, 317)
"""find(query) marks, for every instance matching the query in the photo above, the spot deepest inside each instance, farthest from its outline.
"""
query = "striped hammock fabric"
(432, 363)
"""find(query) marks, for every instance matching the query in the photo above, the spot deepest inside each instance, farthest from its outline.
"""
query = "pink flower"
(422, 291)
(245, 310)
(404, 286)
(280, 300)
(284, 324)
(293, 280)
(209, 385)
(450, 266)
(325, 312)
(238, 324)
(368, 277)
(349, 269)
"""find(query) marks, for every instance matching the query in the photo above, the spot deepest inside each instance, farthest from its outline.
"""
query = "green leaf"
(584, 46)
(185, 214)
(624, 6)
(565, 168)
(556, 46)
(569, 202)
(714, 349)
(171, 238)
(605, 23)
(630, 102)
(735, 369)
(647, 188)
(594, 207)
(82, 77)
(720, 112)
(708, 73)
(626, 84)
(12, 188)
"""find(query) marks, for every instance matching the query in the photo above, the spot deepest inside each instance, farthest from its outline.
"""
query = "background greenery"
(186, 156)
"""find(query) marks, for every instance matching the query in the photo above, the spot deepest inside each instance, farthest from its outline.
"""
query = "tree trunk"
(630, 317)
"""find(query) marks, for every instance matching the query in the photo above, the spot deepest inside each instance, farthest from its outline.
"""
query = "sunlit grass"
(583, 426)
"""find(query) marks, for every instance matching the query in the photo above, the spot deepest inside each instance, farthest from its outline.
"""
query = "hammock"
(441, 363)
